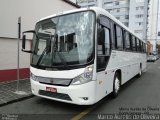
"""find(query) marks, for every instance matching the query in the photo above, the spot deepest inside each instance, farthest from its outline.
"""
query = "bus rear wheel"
(116, 85)
(140, 71)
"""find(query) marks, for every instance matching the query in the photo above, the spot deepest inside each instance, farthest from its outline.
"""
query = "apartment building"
(153, 13)
(138, 17)
(132, 13)
(119, 9)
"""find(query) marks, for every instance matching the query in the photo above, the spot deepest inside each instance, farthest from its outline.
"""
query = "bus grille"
(55, 95)
(54, 81)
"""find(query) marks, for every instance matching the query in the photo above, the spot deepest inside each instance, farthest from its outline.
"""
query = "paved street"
(140, 95)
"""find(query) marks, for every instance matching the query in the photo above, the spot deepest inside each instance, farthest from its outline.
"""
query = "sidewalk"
(8, 91)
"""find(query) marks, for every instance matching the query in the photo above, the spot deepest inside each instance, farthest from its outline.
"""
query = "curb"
(17, 100)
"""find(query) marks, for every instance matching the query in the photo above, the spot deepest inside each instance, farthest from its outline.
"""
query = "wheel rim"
(140, 72)
(117, 85)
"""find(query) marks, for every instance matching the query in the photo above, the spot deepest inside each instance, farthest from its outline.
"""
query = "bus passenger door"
(103, 56)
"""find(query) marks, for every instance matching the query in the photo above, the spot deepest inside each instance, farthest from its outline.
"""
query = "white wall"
(30, 12)
(8, 55)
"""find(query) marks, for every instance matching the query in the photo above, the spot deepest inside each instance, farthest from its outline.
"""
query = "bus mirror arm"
(27, 51)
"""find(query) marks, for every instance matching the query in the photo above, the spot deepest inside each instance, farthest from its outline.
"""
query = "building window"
(139, 16)
(140, 8)
(125, 23)
(122, 17)
(85, 1)
(138, 31)
(126, 16)
(117, 3)
(109, 10)
(123, 2)
(108, 4)
(139, 23)
(118, 18)
(138, 1)
(118, 10)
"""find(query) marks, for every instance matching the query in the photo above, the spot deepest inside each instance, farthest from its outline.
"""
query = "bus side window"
(113, 42)
(102, 58)
(133, 43)
(107, 41)
(119, 37)
(127, 41)
(136, 43)
(130, 41)
(142, 47)
(145, 47)
(143, 50)
(138, 47)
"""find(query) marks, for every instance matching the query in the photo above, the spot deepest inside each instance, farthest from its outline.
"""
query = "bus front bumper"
(84, 94)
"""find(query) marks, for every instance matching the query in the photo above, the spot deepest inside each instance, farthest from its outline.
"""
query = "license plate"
(50, 89)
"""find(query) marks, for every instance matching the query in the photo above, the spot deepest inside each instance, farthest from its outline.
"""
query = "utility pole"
(18, 72)
(18, 40)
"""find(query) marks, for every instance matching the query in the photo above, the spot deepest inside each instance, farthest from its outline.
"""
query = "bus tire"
(140, 71)
(116, 85)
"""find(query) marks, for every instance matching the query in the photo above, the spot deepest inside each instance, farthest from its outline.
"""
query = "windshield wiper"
(43, 53)
(63, 60)
(54, 49)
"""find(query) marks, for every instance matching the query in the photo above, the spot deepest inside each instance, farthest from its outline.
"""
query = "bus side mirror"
(24, 42)
(101, 38)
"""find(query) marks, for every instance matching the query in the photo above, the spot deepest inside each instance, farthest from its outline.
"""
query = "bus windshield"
(64, 41)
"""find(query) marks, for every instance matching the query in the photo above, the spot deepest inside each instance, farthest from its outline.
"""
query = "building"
(87, 3)
(132, 13)
(30, 12)
(138, 17)
(119, 9)
(158, 38)
(152, 31)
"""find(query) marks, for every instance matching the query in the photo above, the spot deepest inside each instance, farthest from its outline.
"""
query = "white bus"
(80, 56)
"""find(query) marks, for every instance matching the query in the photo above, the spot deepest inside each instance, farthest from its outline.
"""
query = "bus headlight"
(83, 78)
(33, 77)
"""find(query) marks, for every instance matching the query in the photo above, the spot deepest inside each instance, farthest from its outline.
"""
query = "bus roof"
(98, 11)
